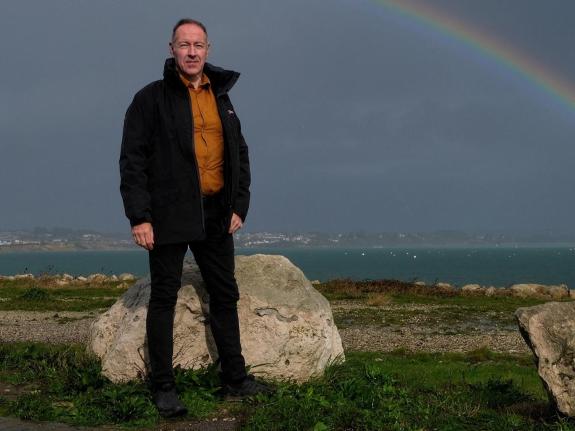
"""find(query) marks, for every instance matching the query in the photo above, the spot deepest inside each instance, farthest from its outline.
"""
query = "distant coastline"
(23, 248)
(504, 265)
(60, 239)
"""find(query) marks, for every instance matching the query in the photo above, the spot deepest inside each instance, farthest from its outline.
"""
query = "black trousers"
(215, 258)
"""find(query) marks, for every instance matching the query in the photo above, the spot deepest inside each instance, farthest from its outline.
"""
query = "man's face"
(190, 50)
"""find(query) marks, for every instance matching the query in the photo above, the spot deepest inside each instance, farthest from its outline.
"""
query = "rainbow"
(551, 82)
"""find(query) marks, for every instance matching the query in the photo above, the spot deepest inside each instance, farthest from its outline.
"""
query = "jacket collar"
(221, 80)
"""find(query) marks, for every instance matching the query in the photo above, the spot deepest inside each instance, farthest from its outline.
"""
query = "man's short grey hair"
(185, 21)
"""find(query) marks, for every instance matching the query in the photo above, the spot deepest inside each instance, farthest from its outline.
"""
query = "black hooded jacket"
(158, 168)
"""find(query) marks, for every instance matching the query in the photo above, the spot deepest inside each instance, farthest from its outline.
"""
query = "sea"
(489, 266)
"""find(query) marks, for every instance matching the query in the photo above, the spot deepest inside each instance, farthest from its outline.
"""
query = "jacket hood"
(222, 80)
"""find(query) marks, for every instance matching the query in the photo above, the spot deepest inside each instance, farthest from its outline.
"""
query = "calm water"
(487, 266)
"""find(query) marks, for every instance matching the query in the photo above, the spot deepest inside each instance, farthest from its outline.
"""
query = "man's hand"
(235, 223)
(144, 235)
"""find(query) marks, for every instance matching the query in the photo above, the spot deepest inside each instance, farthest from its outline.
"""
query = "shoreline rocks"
(519, 290)
(67, 279)
(523, 290)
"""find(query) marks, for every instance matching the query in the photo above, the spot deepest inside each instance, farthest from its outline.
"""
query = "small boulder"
(503, 291)
(491, 291)
(472, 289)
(97, 278)
(444, 288)
(549, 331)
(525, 290)
(558, 292)
(126, 277)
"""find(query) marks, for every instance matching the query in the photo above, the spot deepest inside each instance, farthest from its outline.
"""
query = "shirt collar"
(204, 83)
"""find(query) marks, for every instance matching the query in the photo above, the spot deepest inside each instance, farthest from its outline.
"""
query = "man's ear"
(171, 49)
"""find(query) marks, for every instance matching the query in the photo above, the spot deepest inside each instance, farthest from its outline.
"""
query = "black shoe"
(167, 401)
(246, 388)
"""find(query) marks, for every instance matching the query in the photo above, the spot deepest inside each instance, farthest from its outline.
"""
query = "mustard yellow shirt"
(208, 136)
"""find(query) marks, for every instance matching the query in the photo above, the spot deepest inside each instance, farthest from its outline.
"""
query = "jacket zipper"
(196, 162)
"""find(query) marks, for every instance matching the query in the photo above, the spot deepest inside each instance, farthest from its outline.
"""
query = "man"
(185, 180)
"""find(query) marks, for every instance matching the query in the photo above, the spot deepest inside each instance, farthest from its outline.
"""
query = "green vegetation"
(434, 316)
(44, 294)
(394, 303)
(384, 391)
(64, 383)
(41, 295)
(400, 292)
(400, 390)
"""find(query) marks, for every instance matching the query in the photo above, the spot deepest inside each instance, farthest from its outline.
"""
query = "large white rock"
(549, 330)
(287, 329)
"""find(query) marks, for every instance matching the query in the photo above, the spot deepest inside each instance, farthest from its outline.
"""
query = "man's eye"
(199, 46)
(183, 45)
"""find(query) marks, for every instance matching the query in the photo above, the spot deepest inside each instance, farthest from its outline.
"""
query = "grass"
(43, 294)
(380, 303)
(480, 390)
(53, 281)
(65, 385)
(378, 299)
(406, 292)
(402, 391)
(38, 296)
(349, 289)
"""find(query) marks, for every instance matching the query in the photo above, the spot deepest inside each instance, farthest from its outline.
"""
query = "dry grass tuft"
(344, 288)
(378, 299)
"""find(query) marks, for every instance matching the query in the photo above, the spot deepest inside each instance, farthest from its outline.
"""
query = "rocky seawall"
(521, 290)
(67, 279)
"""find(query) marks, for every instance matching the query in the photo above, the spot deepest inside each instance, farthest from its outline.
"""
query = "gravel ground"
(417, 334)
(73, 327)
(376, 338)
(48, 326)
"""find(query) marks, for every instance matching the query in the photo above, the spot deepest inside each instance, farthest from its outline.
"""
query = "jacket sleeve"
(134, 159)
(242, 201)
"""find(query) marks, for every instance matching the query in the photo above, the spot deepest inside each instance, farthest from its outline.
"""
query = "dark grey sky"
(357, 118)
